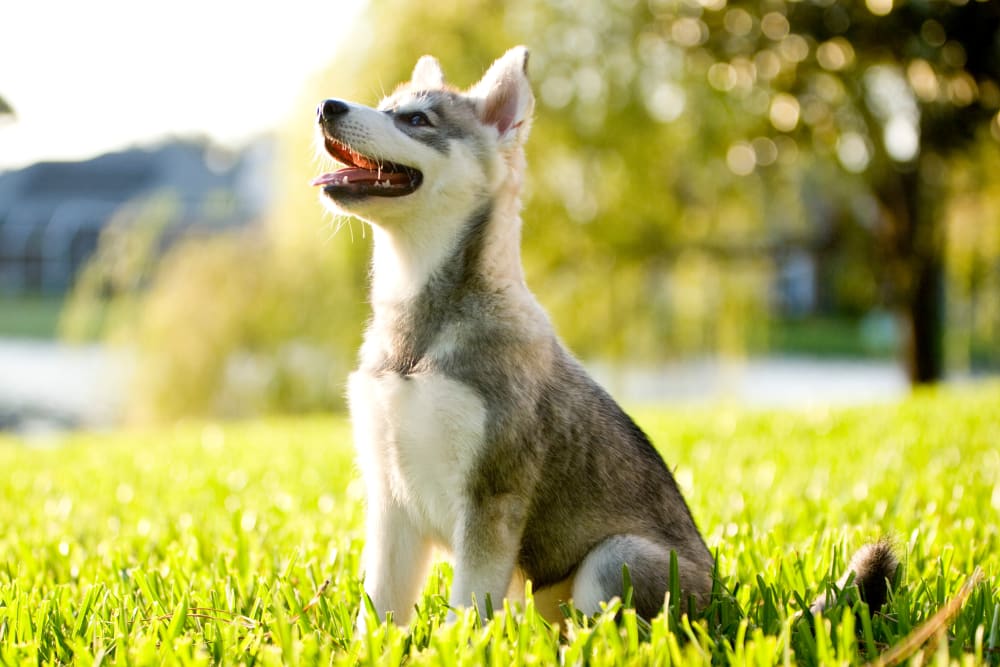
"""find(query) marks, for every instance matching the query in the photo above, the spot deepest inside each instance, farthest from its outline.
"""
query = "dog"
(476, 430)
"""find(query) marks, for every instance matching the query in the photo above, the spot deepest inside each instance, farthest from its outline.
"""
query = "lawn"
(239, 543)
(30, 316)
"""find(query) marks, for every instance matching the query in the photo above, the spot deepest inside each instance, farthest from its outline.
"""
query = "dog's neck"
(419, 287)
(430, 274)
(482, 244)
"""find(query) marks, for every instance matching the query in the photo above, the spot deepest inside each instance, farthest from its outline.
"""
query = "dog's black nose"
(330, 109)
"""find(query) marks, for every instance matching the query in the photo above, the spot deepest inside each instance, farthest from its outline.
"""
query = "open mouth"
(365, 176)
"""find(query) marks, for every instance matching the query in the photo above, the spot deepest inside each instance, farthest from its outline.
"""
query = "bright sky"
(88, 77)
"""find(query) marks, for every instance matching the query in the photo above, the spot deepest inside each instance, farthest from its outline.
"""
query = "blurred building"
(52, 213)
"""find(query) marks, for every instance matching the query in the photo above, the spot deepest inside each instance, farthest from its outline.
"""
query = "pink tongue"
(341, 176)
(325, 179)
(358, 175)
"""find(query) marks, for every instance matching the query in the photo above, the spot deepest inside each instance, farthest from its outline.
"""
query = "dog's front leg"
(395, 560)
(486, 549)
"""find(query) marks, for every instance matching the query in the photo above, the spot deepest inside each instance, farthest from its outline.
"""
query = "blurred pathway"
(761, 382)
(53, 386)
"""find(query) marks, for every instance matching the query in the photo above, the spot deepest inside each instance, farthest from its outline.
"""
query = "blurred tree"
(891, 89)
(6, 111)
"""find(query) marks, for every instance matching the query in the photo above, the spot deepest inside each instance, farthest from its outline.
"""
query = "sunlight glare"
(114, 73)
(901, 137)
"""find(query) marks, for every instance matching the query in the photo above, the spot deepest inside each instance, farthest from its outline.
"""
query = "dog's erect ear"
(504, 95)
(427, 74)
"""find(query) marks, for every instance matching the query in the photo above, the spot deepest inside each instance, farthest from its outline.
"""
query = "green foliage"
(109, 290)
(232, 325)
(238, 323)
(239, 544)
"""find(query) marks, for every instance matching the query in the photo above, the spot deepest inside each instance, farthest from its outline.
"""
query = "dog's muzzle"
(363, 175)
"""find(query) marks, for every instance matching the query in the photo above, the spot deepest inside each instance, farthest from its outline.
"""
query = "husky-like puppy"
(476, 430)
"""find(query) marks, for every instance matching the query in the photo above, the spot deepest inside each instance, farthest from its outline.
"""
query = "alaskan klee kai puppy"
(476, 430)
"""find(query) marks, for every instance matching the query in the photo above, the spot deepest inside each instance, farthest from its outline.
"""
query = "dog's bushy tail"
(874, 567)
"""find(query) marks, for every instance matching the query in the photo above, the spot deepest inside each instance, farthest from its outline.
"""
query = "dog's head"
(428, 149)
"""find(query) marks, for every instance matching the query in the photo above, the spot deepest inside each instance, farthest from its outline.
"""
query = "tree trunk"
(924, 318)
(914, 254)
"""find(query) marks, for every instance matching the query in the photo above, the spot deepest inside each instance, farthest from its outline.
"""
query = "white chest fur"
(417, 438)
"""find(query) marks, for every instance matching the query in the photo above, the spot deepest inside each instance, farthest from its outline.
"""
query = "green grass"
(203, 544)
(30, 316)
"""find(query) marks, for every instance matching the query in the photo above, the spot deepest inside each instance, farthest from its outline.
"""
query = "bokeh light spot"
(901, 139)
(741, 159)
(784, 112)
(853, 152)
(879, 7)
(922, 79)
(666, 102)
(835, 54)
(738, 22)
(775, 26)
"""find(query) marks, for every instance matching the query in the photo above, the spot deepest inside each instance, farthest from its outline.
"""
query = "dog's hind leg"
(599, 576)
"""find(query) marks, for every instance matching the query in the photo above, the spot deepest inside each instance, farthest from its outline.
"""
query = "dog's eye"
(417, 119)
